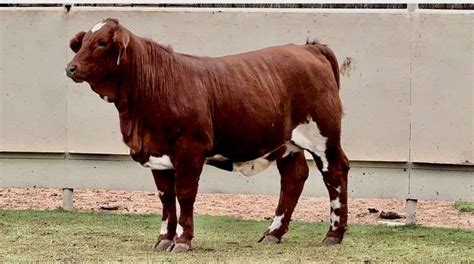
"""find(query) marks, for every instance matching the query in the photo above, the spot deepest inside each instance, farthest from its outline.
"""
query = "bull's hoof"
(269, 240)
(180, 247)
(163, 245)
(331, 240)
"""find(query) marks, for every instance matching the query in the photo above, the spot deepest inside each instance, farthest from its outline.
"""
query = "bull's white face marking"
(97, 26)
(276, 223)
(164, 227)
(252, 167)
(338, 189)
(179, 230)
(308, 136)
(159, 163)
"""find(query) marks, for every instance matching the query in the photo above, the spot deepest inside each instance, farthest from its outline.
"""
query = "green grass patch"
(464, 206)
(101, 237)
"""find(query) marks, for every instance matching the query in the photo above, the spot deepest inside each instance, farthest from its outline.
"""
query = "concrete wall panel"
(442, 88)
(33, 86)
(93, 125)
(2, 22)
(442, 184)
(364, 181)
(374, 58)
(36, 172)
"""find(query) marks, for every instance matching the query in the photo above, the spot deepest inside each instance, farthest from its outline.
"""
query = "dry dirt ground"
(257, 207)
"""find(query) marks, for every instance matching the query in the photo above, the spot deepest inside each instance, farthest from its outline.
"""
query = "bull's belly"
(254, 166)
(305, 136)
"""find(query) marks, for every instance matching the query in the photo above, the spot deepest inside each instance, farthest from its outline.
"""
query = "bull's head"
(99, 54)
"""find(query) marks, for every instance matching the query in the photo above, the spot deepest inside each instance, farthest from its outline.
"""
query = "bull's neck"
(151, 76)
(145, 79)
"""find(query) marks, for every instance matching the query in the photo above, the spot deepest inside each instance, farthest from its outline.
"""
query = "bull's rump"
(261, 96)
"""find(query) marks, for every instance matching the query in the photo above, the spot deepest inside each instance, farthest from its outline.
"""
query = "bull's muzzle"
(70, 69)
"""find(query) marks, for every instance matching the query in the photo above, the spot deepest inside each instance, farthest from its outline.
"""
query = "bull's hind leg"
(335, 180)
(294, 172)
(326, 150)
(164, 180)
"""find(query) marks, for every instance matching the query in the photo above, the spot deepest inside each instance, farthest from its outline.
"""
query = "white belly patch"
(252, 167)
(246, 168)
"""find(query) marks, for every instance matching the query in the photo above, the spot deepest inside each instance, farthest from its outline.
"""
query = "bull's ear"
(121, 39)
(76, 42)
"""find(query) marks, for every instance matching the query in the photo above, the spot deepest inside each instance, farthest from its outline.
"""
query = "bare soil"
(255, 207)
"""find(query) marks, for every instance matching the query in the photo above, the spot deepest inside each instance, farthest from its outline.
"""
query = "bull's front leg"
(165, 181)
(189, 160)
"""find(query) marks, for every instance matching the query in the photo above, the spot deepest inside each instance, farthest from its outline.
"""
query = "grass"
(84, 237)
(464, 206)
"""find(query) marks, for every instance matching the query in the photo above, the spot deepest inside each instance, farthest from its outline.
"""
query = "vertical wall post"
(411, 211)
(412, 7)
(68, 201)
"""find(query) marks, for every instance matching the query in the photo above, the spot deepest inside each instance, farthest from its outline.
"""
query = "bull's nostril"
(71, 69)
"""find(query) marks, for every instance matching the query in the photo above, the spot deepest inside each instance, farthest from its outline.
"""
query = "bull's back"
(261, 96)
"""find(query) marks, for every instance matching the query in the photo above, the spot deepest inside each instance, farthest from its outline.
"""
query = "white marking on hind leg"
(164, 227)
(334, 218)
(308, 136)
(335, 204)
(276, 223)
(179, 230)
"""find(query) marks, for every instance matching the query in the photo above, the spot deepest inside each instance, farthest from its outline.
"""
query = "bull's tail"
(330, 56)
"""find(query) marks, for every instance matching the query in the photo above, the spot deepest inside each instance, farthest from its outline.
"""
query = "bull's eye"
(101, 43)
